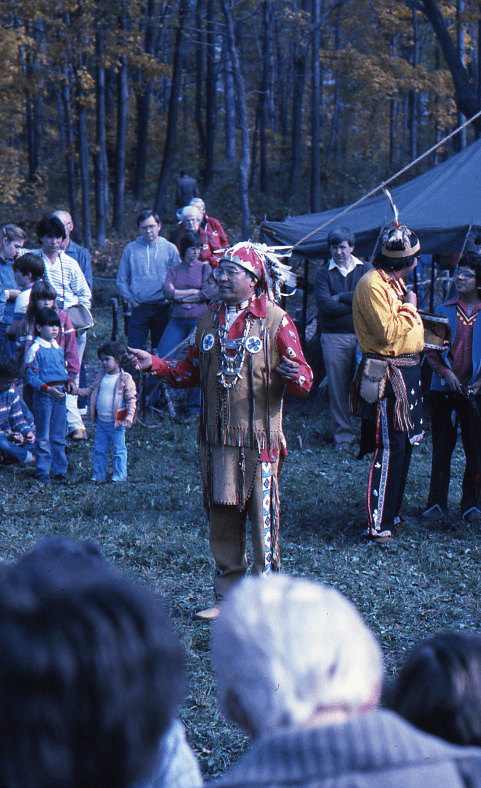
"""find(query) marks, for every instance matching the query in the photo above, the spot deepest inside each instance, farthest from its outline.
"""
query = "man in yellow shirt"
(387, 387)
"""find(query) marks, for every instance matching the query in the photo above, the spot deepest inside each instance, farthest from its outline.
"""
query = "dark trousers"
(389, 469)
(444, 431)
(145, 318)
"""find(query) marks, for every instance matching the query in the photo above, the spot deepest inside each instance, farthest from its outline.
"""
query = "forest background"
(275, 106)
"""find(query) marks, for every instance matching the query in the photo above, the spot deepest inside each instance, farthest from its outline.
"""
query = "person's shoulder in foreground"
(300, 672)
(91, 672)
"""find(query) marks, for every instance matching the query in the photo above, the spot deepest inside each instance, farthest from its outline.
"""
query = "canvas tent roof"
(438, 205)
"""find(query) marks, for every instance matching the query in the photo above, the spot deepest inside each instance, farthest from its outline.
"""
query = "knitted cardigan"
(372, 750)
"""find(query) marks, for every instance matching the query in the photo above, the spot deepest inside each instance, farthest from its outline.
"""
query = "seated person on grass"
(455, 396)
(15, 432)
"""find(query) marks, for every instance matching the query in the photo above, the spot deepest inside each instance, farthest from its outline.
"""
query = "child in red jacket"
(113, 399)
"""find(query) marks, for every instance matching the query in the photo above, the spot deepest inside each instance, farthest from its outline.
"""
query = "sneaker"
(78, 435)
(433, 513)
(44, 479)
(94, 480)
(208, 614)
(473, 517)
(379, 537)
(61, 477)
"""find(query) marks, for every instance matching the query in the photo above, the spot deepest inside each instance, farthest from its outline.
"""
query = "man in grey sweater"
(335, 284)
(140, 279)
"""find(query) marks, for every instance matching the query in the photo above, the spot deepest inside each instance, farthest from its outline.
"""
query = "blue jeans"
(145, 318)
(107, 435)
(13, 452)
(7, 347)
(51, 425)
(177, 330)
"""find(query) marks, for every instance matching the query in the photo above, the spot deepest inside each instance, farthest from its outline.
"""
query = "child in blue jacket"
(46, 373)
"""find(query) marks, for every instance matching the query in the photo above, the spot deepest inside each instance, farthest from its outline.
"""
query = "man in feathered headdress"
(246, 353)
(387, 387)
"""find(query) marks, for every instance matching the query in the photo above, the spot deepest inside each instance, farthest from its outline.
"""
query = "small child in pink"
(113, 399)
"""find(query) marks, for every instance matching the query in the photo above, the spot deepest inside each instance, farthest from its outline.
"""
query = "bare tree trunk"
(199, 81)
(61, 120)
(143, 112)
(299, 74)
(413, 96)
(244, 161)
(100, 158)
(83, 145)
(461, 137)
(465, 97)
(264, 97)
(169, 150)
(478, 92)
(69, 147)
(281, 82)
(253, 166)
(83, 149)
(210, 93)
(122, 98)
(230, 118)
(335, 114)
(315, 109)
(31, 108)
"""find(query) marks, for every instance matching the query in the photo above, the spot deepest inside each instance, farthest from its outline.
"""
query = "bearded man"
(245, 355)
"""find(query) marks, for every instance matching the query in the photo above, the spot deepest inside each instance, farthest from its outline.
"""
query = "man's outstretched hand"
(140, 359)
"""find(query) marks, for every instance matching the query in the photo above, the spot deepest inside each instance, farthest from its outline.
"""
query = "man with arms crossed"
(335, 284)
(140, 279)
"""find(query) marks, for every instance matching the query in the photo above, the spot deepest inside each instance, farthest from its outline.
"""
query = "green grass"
(153, 527)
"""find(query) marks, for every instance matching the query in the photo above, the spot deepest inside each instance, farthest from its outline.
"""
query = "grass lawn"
(153, 527)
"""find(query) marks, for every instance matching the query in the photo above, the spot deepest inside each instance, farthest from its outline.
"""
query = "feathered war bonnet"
(265, 266)
(397, 240)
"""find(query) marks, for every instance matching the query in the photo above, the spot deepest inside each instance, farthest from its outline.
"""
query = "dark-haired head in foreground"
(91, 673)
(438, 689)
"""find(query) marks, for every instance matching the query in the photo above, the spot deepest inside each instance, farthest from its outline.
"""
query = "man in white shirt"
(335, 284)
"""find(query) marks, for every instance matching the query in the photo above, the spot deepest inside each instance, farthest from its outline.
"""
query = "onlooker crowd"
(92, 674)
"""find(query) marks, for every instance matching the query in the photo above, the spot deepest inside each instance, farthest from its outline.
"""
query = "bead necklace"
(232, 365)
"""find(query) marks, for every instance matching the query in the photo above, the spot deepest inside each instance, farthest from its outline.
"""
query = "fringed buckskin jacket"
(241, 414)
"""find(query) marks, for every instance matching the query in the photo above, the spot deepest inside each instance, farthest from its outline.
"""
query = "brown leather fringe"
(252, 406)
(402, 416)
(268, 378)
(241, 476)
(237, 436)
